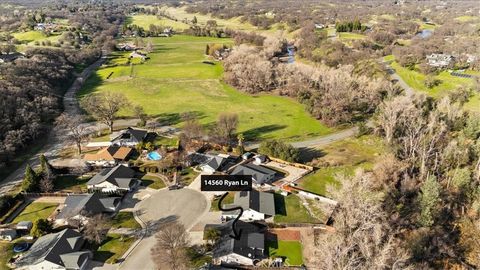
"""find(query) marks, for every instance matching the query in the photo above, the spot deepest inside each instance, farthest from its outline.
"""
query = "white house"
(439, 60)
(116, 179)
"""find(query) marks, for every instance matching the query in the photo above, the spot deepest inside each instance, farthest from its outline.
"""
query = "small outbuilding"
(8, 234)
(24, 225)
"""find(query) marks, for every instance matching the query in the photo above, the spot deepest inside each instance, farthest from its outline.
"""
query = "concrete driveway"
(185, 205)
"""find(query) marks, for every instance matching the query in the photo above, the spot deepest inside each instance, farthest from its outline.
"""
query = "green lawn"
(165, 141)
(112, 248)
(6, 249)
(125, 220)
(175, 80)
(348, 36)
(228, 200)
(467, 18)
(291, 210)
(291, 250)
(145, 21)
(188, 175)
(35, 211)
(72, 183)
(153, 181)
(29, 36)
(416, 80)
(342, 157)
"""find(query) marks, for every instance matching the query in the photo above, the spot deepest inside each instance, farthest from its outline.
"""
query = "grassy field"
(72, 183)
(342, 157)
(291, 250)
(112, 248)
(350, 36)
(35, 211)
(416, 80)
(29, 36)
(6, 249)
(153, 181)
(291, 210)
(145, 21)
(125, 220)
(467, 18)
(233, 23)
(228, 200)
(175, 80)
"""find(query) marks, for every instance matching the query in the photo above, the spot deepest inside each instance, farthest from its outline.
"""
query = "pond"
(425, 33)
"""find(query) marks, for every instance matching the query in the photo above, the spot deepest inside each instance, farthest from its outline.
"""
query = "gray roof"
(110, 202)
(259, 173)
(52, 247)
(120, 176)
(80, 204)
(10, 232)
(75, 260)
(215, 162)
(24, 224)
(132, 135)
(251, 243)
(262, 202)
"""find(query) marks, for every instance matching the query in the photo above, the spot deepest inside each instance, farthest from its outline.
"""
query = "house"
(213, 164)
(260, 174)
(24, 226)
(439, 60)
(8, 234)
(247, 250)
(109, 156)
(130, 137)
(126, 47)
(137, 54)
(62, 250)
(319, 26)
(259, 159)
(10, 57)
(118, 178)
(81, 206)
(256, 206)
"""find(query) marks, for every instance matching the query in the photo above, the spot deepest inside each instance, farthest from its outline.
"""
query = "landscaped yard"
(291, 250)
(113, 248)
(153, 181)
(6, 249)
(35, 211)
(71, 183)
(342, 158)
(175, 80)
(228, 200)
(125, 220)
(188, 175)
(290, 209)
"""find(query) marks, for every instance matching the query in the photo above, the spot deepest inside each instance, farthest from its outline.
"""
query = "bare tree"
(226, 126)
(46, 184)
(172, 241)
(105, 107)
(74, 129)
(192, 129)
(96, 228)
(363, 238)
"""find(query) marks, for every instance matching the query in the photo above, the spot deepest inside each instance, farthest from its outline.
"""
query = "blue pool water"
(154, 156)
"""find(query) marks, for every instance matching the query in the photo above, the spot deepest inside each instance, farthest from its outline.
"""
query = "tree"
(429, 200)
(46, 169)
(105, 106)
(41, 227)
(140, 114)
(149, 47)
(30, 180)
(96, 228)
(194, 20)
(212, 235)
(192, 129)
(170, 247)
(279, 149)
(74, 129)
(46, 184)
(226, 126)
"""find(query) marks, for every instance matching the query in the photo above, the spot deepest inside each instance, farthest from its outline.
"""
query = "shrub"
(278, 149)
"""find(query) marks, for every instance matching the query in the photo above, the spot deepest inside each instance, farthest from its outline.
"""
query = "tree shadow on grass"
(308, 154)
(170, 119)
(255, 133)
(90, 85)
(280, 208)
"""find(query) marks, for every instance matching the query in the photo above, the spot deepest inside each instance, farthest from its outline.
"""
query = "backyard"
(71, 183)
(291, 250)
(35, 211)
(153, 181)
(112, 248)
(193, 86)
(290, 209)
(124, 220)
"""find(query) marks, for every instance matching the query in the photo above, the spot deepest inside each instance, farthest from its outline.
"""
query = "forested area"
(32, 86)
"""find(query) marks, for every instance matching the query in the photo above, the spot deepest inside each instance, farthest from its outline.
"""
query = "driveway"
(185, 205)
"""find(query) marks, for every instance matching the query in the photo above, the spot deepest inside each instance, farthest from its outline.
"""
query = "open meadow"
(175, 80)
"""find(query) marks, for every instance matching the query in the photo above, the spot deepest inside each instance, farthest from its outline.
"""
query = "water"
(425, 33)
(154, 156)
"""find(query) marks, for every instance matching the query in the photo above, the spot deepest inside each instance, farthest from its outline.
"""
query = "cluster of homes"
(443, 60)
(64, 249)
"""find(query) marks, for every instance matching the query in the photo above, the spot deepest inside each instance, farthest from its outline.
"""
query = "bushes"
(279, 150)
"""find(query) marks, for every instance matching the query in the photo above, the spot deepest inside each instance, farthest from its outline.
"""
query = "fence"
(298, 165)
(48, 194)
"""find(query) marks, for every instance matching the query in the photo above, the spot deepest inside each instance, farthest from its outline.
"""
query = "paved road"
(55, 142)
(393, 74)
(162, 206)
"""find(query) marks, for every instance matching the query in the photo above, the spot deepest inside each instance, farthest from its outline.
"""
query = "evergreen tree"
(30, 180)
(194, 21)
(429, 200)
(41, 227)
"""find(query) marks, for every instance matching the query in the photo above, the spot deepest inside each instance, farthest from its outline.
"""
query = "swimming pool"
(154, 156)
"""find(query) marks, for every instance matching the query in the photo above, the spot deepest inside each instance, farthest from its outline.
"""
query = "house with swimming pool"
(109, 156)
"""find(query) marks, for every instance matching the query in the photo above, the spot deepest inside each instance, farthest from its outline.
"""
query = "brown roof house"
(109, 156)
